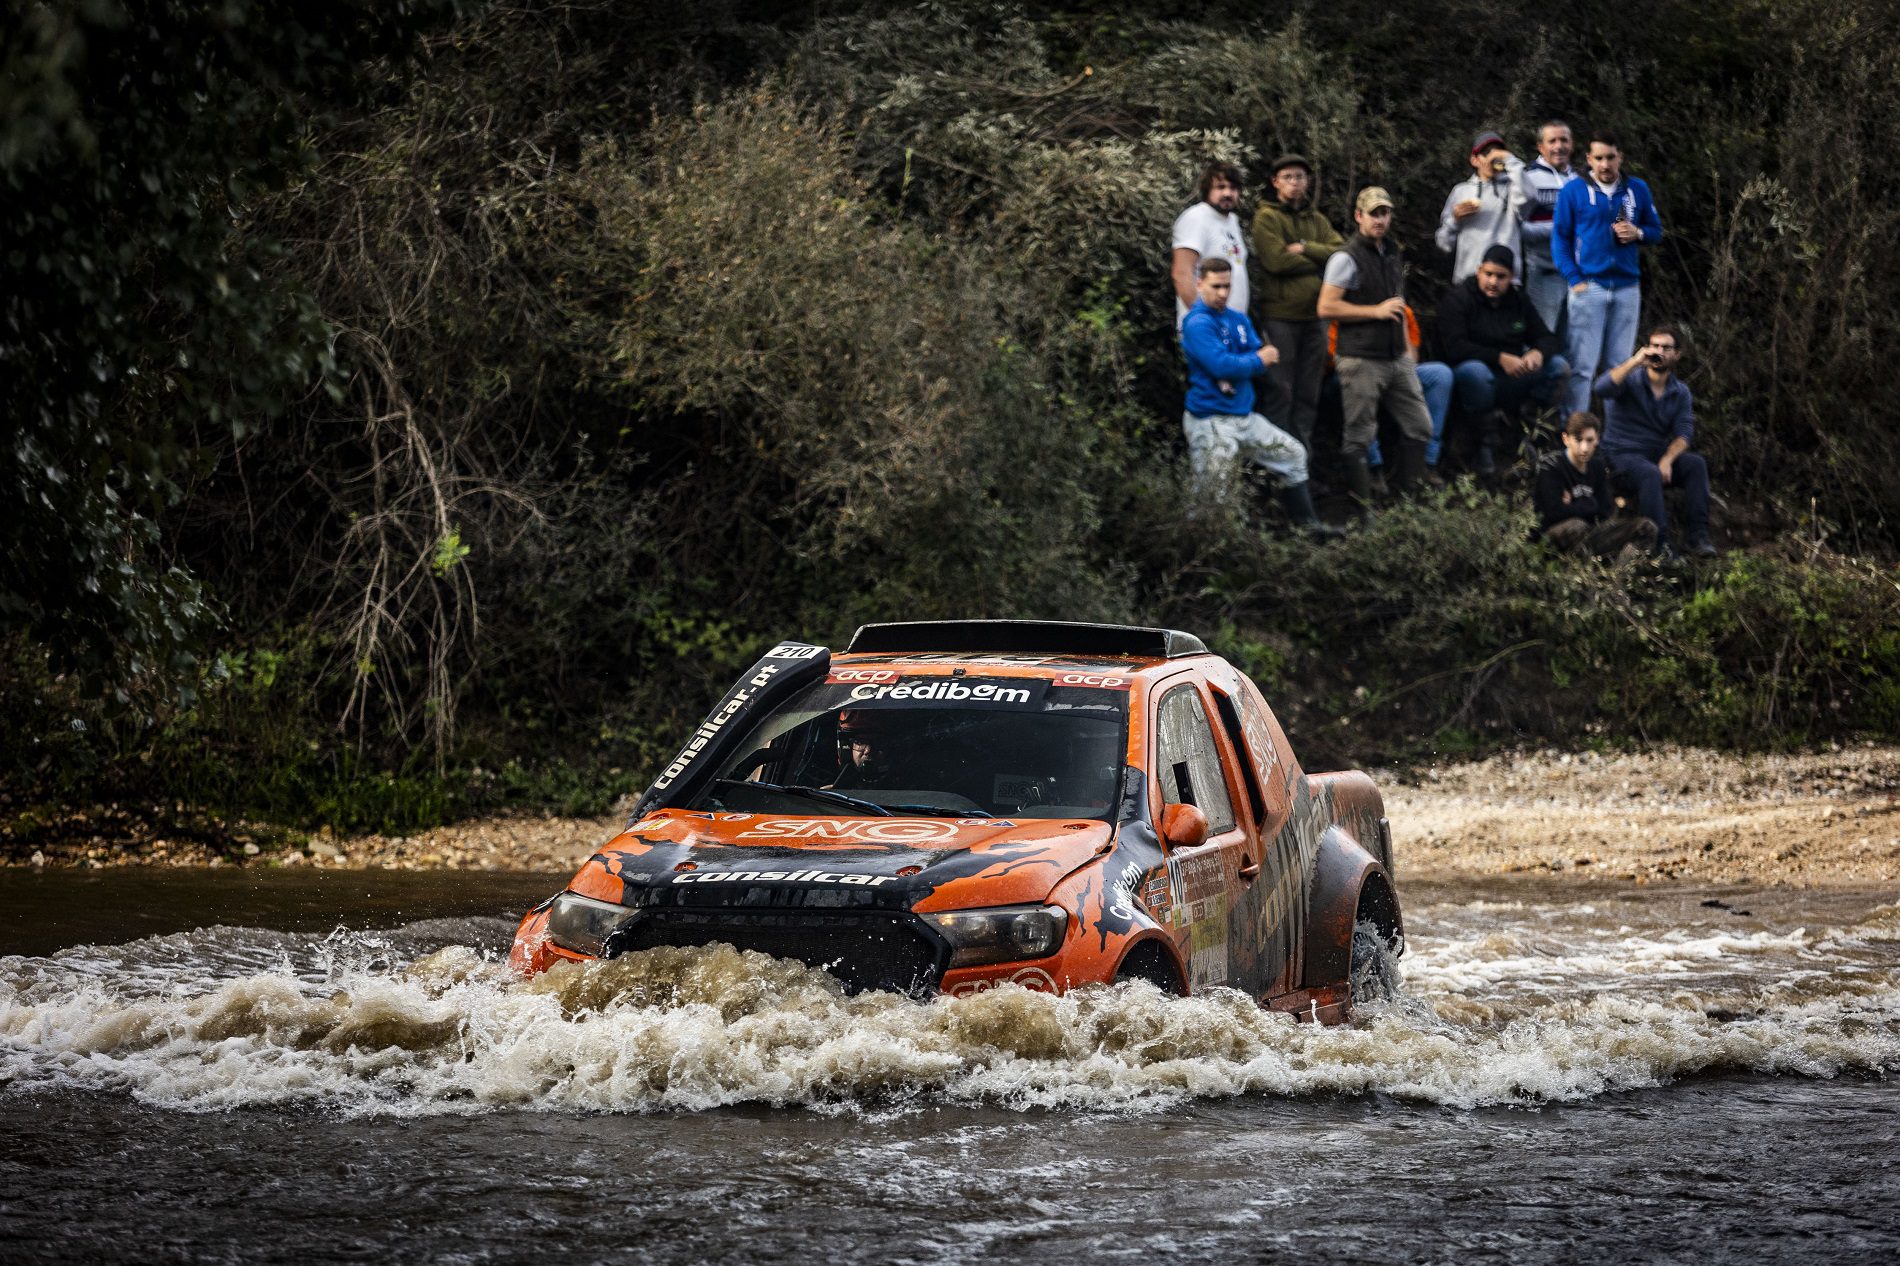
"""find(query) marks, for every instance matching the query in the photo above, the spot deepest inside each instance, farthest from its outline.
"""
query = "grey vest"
(1381, 277)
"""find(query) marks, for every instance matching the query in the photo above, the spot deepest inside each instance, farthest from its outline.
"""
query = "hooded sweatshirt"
(1542, 184)
(1583, 240)
(1289, 283)
(1221, 347)
(1497, 222)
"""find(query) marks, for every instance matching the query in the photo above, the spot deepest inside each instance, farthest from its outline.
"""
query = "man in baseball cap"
(1486, 209)
(1292, 242)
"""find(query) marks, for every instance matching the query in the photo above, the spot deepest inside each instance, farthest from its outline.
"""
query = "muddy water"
(215, 1070)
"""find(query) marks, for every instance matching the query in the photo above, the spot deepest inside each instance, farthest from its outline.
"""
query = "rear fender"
(1345, 872)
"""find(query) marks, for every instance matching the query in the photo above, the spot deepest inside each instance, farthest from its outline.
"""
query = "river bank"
(1828, 818)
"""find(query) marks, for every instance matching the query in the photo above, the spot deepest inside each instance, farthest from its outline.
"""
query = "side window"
(1189, 762)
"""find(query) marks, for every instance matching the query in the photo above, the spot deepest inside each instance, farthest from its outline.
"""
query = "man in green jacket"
(1292, 242)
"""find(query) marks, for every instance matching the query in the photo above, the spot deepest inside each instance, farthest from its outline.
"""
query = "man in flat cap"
(1363, 289)
(1484, 210)
(1292, 242)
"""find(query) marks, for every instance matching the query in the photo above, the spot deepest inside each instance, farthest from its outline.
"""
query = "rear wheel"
(1375, 964)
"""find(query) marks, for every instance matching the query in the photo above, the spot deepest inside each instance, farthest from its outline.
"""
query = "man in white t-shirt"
(1210, 229)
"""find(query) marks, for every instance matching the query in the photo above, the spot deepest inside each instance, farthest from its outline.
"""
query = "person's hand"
(1667, 467)
(1296, 248)
(1566, 496)
(1269, 355)
(1466, 209)
(1579, 288)
(1392, 309)
(1626, 232)
(1512, 365)
(1533, 361)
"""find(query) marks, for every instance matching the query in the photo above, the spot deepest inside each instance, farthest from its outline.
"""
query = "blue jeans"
(1481, 390)
(1434, 379)
(1688, 472)
(1603, 328)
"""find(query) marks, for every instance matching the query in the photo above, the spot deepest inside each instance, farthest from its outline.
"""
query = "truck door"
(1207, 881)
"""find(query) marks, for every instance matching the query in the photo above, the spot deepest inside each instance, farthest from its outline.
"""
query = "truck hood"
(675, 857)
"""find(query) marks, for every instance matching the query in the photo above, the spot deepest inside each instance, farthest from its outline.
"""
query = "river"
(333, 1066)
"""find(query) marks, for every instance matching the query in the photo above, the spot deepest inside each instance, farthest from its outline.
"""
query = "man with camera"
(1599, 223)
(1484, 210)
(1648, 422)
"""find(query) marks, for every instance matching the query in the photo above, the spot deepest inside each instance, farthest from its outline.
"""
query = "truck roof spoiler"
(1022, 637)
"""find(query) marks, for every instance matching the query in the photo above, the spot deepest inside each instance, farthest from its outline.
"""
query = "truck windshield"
(1016, 747)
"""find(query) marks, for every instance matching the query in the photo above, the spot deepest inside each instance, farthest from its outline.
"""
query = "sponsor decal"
(778, 877)
(873, 675)
(1158, 897)
(1121, 895)
(1102, 681)
(1028, 977)
(1199, 882)
(794, 650)
(709, 729)
(945, 690)
(867, 830)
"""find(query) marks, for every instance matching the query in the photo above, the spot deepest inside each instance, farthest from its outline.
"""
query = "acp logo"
(1100, 680)
(875, 676)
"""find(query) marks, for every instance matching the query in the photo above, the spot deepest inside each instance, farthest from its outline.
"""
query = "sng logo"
(863, 830)
(792, 650)
(1093, 679)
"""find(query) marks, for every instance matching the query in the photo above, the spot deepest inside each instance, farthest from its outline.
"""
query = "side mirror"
(1183, 826)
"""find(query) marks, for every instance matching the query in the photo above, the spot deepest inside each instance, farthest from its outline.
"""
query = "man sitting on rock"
(1648, 422)
(1572, 496)
(1501, 352)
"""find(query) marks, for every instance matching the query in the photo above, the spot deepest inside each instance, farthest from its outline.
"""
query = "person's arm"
(1515, 195)
(1186, 260)
(1447, 234)
(1679, 441)
(1646, 218)
(1204, 352)
(1271, 241)
(1320, 249)
(1616, 380)
(1333, 306)
(1550, 496)
(1563, 238)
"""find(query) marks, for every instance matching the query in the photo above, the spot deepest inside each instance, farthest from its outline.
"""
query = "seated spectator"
(1500, 350)
(1572, 496)
(1484, 210)
(1649, 420)
(1224, 356)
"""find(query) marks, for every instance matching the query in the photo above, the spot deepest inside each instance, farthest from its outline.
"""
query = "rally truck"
(946, 807)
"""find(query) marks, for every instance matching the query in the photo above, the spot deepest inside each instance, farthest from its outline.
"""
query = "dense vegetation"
(420, 407)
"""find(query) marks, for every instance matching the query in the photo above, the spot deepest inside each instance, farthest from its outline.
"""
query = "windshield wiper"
(814, 793)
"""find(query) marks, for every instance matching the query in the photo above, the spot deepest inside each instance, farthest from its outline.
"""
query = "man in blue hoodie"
(1599, 223)
(1224, 356)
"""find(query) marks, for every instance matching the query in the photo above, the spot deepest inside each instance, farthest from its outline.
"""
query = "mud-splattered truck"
(950, 806)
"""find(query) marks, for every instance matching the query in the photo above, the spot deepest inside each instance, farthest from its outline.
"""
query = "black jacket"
(1588, 490)
(1474, 327)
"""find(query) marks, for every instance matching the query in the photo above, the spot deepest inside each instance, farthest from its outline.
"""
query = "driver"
(870, 744)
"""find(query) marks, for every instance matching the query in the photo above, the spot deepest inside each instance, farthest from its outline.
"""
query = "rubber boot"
(1297, 501)
(1411, 472)
(1359, 484)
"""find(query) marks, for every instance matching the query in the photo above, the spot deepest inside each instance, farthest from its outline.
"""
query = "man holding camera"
(1649, 419)
(1599, 223)
(1485, 210)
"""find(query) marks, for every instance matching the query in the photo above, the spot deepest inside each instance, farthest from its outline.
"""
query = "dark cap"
(1484, 141)
(1290, 160)
(1502, 256)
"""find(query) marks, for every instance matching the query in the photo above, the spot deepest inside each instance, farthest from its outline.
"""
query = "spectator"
(1572, 496)
(1599, 222)
(1363, 289)
(1210, 229)
(1500, 350)
(1484, 210)
(1544, 177)
(1224, 355)
(1649, 420)
(1292, 242)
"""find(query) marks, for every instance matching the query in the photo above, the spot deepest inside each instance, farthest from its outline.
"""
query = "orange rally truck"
(948, 806)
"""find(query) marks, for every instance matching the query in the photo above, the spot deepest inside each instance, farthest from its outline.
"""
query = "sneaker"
(1702, 547)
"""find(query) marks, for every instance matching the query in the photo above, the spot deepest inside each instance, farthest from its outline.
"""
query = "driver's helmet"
(874, 733)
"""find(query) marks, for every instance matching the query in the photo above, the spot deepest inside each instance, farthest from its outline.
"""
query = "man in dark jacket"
(1291, 243)
(1501, 352)
(1648, 423)
(1363, 289)
(1572, 496)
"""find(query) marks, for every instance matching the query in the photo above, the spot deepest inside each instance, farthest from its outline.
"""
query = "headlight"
(1002, 935)
(583, 924)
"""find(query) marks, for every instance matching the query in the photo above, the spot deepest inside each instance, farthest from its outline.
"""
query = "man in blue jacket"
(1599, 223)
(1224, 356)
(1649, 420)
